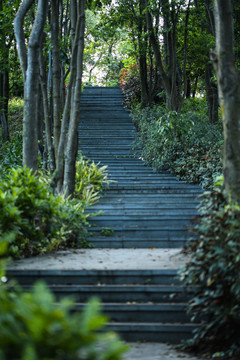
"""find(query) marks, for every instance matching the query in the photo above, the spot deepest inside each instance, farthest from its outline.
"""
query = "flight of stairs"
(141, 209)
(146, 305)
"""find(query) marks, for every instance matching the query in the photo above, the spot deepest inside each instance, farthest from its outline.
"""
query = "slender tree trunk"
(212, 94)
(229, 97)
(168, 79)
(56, 73)
(48, 134)
(142, 59)
(19, 34)
(4, 81)
(71, 91)
(185, 79)
(30, 66)
(4, 98)
(211, 88)
(71, 148)
(195, 87)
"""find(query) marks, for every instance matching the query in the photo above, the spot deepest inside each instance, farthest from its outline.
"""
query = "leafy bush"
(42, 222)
(130, 85)
(186, 143)
(34, 327)
(11, 154)
(90, 180)
(214, 267)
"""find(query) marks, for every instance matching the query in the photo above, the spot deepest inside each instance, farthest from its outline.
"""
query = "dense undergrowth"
(41, 221)
(214, 267)
(187, 145)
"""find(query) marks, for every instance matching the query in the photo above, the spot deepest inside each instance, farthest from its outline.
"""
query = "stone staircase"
(141, 209)
(143, 305)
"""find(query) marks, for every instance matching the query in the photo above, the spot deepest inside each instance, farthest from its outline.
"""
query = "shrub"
(90, 180)
(42, 222)
(35, 327)
(186, 143)
(214, 267)
(130, 85)
(11, 154)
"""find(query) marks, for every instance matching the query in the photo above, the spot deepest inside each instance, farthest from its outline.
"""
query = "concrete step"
(141, 304)
(76, 277)
(139, 222)
(144, 312)
(144, 209)
(125, 242)
(152, 332)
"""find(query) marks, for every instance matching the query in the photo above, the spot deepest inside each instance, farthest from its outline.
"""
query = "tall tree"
(7, 10)
(166, 66)
(29, 59)
(229, 96)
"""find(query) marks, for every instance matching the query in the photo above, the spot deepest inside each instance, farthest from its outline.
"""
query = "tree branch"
(19, 33)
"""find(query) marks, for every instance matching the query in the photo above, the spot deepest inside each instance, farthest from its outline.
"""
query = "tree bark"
(48, 134)
(142, 59)
(212, 94)
(56, 73)
(229, 97)
(19, 34)
(4, 80)
(62, 177)
(30, 66)
(71, 148)
(169, 80)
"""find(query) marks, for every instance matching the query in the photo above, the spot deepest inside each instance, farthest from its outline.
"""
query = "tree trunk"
(4, 81)
(212, 95)
(30, 67)
(168, 79)
(229, 97)
(47, 121)
(4, 98)
(19, 34)
(56, 73)
(142, 59)
(64, 179)
(71, 148)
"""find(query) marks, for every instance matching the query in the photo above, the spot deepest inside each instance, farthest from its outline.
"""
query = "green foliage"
(11, 155)
(15, 115)
(130, 85)
(107, 231)
(42, 222)
(185, 143)
(90, 180)
(34, 326)
(214, 267)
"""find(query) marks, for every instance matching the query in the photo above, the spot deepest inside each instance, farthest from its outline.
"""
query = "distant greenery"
(214, 267)
(34, 326)
(185, 144)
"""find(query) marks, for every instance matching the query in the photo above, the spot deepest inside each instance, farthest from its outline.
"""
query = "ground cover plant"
(184, 143)
(34, 326)
(214, 267)
(42, 221)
